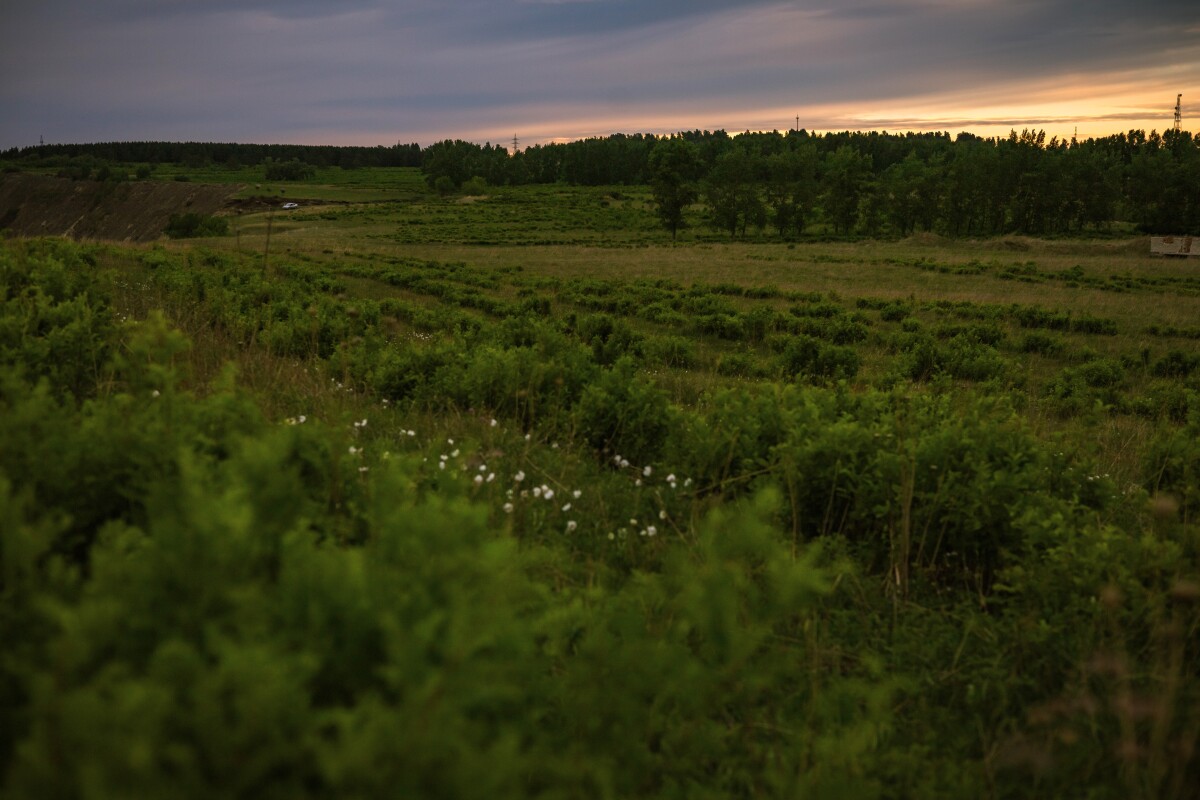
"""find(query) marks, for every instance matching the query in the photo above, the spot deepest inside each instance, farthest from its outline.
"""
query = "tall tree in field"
(910, 193)
(791, 187)
(673, 166)
(732, 192)
(847, 173)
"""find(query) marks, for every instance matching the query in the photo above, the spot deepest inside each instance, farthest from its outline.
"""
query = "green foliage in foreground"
(851, 594)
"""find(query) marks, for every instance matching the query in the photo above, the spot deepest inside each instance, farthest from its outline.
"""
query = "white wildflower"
(571, 526)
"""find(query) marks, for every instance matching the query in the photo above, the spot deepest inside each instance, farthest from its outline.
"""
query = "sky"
(371, 72)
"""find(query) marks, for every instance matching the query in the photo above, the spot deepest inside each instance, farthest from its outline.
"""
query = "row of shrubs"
(199, 601)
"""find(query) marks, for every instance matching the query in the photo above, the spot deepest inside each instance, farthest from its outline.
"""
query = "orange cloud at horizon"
(1064, 105)
(1087, 105)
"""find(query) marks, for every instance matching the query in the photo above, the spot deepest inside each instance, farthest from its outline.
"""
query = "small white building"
(1173, 246)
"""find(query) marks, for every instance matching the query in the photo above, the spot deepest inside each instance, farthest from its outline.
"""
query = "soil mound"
(130, 211)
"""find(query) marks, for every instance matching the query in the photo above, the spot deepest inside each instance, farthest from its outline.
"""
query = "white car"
(291, 205)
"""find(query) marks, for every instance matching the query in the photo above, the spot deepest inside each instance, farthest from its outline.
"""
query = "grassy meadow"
(509, 495)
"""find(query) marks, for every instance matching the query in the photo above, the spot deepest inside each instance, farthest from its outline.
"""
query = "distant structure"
(515, 144)
(1175, 246)
(1178, 111)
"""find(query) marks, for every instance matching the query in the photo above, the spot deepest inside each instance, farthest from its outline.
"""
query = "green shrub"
(895, 311)
(966, 358)
(804, 356)
(1176, 364)
(724, 326)
(739, 365)
(623, 414)
(190, 225)
(474, 186)
(609, 338)
(670, 351)
(1042, 343)
(1101, 373)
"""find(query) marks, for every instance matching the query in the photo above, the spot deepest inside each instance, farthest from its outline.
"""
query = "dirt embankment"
(133, 211)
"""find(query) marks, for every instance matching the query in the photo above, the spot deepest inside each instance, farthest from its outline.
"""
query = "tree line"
(201, 154)
(845, 183)
(856, 183)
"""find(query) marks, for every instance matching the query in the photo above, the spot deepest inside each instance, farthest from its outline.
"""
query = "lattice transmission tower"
(1178, 111)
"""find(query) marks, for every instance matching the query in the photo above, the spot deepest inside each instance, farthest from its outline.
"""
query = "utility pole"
(797, 128)
(267, 246)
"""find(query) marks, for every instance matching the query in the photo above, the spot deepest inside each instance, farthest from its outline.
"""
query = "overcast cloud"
(377, 72)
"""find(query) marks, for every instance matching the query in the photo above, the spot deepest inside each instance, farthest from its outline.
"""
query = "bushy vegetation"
(356, 521)
(190, 225)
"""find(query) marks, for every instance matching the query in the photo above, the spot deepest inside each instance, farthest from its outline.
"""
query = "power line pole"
(267, 246)
(516, 143)
(1178, 112)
